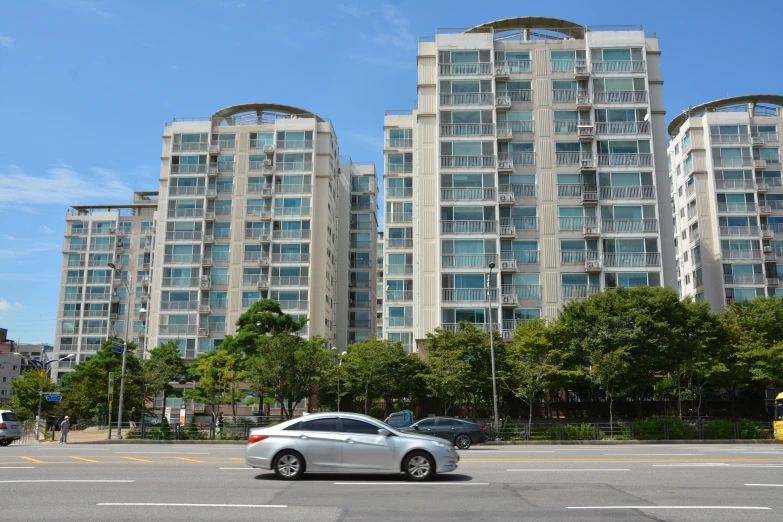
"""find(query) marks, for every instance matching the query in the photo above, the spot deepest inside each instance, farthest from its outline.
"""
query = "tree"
(647, 323)
(263, 318)
(25, 399)
(609, 372)
(219, 373)
(375, 369)
(459, 364)
(85, 388)
(289, 368)
(534, 361)
(163, 365)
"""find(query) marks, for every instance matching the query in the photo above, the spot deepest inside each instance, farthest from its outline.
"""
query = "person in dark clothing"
(132, 417)
(220, 423)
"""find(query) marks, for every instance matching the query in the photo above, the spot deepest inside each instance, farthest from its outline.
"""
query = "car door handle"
(349, 441)
(303, 437)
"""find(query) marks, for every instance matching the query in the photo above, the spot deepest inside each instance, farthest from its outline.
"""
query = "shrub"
(653, 429)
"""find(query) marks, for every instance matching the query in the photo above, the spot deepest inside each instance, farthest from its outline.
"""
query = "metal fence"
(229, 430)
(655, 428)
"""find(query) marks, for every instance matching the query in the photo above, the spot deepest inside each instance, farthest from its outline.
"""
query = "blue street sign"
(53, 397)
(116, 348)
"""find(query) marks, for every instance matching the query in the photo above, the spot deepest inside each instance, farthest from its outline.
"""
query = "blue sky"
(88, 84)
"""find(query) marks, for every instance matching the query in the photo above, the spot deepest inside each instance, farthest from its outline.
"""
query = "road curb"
(624, 442)
(147, 441)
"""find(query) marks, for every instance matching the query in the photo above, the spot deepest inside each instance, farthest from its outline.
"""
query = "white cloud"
(91, 7)
(353, 10)
(6, 41)
(400, 36)
(5, 305)
(45, 229)
(61, 185)
(32, 248)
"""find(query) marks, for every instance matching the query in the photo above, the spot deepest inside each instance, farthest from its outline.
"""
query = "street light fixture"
(127, 283)
(492, 352)
(45, 366)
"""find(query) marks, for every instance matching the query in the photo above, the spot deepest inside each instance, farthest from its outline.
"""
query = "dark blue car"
(459, 432)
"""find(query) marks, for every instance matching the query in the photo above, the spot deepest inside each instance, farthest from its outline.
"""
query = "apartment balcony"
(291, 234)
(268, 148)
(737, 207)
(400, 168)
(625, 160)
(767, 232)
(464, 194)
(734, 184)
(363, 303)
(695, 236)
(398, 217)
(764, 137)
(95, 330)
(289, 281)
(465, 69)
(772, 281)
(476, 295)
(188, 169)
(739, 231)
(291, 166)
(72, 297)
(522, 223)
(571, 223)
(467, 162)
(468, 227)
(484, 327)
(743, 279)
(741, 254)
(504, 131)
(642, 192)
(583, 100)
(401, 192)
(267, 165)
(503, 68)
(729, 139)
(291, 257)
(586, 131)
(520, 257)
(294, 144)
(608, 97)
(103, 248)
(567, 95)
(575, 292)
(394, 243)
(259, 188)
(293, 305)
(399, 295)
(399, 322)
(517, 95)
(467, 260)
(178, 329)
(581, 70)
(99, 296)
(263, 260)
(622, 128)
(524, 292)
(467, 129)
(516, 158)
(361, 245)
(179, 305)
(180, 282)
(466, 98)
(74, 280)
(186, 191)
(184, 236)
(621, 226)
(577, 257)
(728, 161)
(618, 67)
(586, 162)
(765, 209)
(762, 187)
(632, 259)
(520, 190)
(399, 143)
(591, 229)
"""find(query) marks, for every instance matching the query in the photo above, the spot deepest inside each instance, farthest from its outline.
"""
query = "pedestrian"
(220, 423)
(64, 427)
(132, 418)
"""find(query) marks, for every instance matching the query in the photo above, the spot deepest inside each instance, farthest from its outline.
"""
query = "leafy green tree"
(609, 372)
(647, 323)
(25, 399)
(86, 387)
(692, 361)
(535, 360)
(376, 369)
(289, 368)
(263, 318)
(216, 375)
(163, 365)
(459, 364)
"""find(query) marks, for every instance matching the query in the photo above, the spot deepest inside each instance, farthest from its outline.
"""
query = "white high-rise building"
(537, 154)
(727, 198)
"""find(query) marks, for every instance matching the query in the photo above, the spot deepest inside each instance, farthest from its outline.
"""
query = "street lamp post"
(45, 366)
(128, 282)
(492, 351)
(339, 368)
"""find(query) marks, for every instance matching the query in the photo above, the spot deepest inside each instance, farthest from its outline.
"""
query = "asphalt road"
(540, 483)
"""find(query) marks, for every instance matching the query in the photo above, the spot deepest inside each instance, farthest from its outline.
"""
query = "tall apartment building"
(727, 198)
(253, 203)
(537, 146)
(93, 300)
(379, 292)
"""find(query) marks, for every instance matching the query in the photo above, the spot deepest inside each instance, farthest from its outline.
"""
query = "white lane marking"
(67, 480)
(657, 454)
(570, 469)
(766, 485)
(702, 465)
(667, 507)
(17, 467)
(717, 465)
(161, 452)
(161, 504)
(411, 484)
(509, 451)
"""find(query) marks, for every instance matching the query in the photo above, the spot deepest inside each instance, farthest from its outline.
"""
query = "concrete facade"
(727, 198)
(537, 146)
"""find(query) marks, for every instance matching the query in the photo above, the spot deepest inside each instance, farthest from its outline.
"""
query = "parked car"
(461, 433)
(10, 427)
(400, 419)
(331, 442)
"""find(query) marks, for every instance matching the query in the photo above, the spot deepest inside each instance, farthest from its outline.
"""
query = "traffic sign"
(54, 397)
(116, 348)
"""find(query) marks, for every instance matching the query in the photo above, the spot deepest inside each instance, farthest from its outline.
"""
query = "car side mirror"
(415, 427)
(384, 433)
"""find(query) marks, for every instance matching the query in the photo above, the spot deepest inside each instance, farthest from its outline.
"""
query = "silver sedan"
(339, 442)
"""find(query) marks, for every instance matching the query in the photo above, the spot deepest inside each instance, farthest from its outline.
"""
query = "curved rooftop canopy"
(753, 102)
(540, 26)
(260, 112)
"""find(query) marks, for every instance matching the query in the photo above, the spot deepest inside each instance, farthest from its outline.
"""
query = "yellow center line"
(234, 458)
(32, 460)
(83, 459)
(137, 460)
(190, 460)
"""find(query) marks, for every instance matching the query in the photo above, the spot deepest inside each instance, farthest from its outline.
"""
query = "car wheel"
(419, 466)
(462, 441)
(289, 465)
(6, 442)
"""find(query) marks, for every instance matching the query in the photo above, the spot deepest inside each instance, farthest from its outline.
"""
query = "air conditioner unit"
(509, 298)
(508, 264)
(112, 231)
(267, 163)
(506, 164)
(767, 249)
(350, 284)
(506, 198)
(587, 163)
(269, 148)
(508, 334)
(593, 265)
